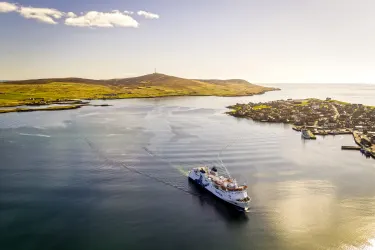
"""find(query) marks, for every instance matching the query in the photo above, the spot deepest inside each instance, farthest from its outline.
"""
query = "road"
(336, 111)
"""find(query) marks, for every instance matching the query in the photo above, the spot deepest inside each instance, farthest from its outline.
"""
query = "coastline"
(51, 90)
(78, 103)
(316, 117)
(54, 108)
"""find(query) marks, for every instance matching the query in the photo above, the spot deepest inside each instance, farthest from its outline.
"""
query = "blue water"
(82, 179)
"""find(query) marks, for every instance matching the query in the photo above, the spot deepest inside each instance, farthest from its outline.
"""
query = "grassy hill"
(25, 92)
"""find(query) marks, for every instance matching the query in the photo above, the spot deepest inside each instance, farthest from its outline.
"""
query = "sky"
(267, 41)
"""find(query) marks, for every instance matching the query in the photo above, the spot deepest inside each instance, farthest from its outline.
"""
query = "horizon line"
(195, 78)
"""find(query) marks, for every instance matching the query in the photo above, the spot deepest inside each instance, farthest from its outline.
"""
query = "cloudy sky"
(268, 41)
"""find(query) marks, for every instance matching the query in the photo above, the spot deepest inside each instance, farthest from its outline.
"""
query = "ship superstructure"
(225, 188)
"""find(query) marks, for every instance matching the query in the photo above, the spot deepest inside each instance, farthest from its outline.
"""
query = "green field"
(339, 102)
(258, 107)
(21, 94)
(304, 102)
(47, 91)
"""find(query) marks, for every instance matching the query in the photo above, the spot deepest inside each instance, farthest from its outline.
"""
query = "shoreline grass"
(54, 108)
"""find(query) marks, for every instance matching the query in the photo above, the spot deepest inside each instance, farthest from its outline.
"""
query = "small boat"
(224, 188)
(307, 134)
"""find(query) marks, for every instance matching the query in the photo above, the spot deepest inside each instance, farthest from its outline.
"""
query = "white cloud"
(7, 7)
(41, 14)
(71, 14)
(148, 15)
(102, 19)
(125, 12)
(116, 18)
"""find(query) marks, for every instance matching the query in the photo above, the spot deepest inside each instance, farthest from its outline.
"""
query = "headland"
(59, 90)
(320, 117)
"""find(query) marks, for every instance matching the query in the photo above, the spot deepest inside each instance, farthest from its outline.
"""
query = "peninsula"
(321, 117)
(67, 90)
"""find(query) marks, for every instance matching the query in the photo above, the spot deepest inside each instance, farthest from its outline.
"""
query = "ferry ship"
(222, 187)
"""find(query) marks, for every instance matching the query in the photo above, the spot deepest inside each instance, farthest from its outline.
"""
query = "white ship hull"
(231, 197)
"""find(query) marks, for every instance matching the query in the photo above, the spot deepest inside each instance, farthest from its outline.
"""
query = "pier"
(350, 148)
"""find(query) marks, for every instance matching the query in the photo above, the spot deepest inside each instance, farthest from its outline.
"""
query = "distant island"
(72, 91)
(320, 117)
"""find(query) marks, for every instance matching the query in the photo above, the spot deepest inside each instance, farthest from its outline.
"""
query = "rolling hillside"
(153, 85)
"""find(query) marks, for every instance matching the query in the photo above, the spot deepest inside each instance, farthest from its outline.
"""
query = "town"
(319, 117)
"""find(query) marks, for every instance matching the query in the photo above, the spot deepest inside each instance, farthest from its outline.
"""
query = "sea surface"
(115, 178)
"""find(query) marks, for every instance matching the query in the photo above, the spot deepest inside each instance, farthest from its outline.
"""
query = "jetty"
(350, 147)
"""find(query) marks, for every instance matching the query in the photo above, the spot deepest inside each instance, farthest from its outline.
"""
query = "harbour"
(187, 125)
(301, 190)
(314, 116)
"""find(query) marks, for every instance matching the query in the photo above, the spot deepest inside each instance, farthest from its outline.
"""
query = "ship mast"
(221, 151)
(221, 161)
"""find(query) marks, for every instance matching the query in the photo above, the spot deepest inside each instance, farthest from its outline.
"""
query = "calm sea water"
(65, 181)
